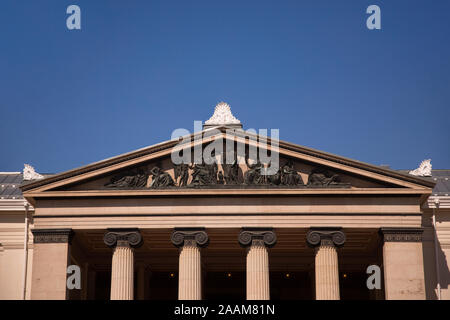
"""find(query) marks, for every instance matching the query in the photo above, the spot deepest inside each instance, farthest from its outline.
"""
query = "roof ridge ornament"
(222, 116)
(30, 174)
(424, 169)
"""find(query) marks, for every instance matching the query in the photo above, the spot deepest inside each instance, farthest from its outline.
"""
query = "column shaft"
(326, 240)
(257, 240)
(122, 274)
(258, 272)
(122, 270)
(189, 240)
(327, 274)
(189, 281)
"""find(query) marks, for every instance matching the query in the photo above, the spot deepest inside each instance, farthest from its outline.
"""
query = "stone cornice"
(317, 236)
(229, 191)
(189, 236)
(14, 205)
(52, 235)
(165, 146)
(123, 238)
(393, 234)
(265, 236)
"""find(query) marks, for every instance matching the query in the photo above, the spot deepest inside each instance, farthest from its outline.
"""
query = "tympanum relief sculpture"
(254, 174)
(160, 179)
(289, 176)
(231, 172)
(320, 177)
(202, 175)
(129, 180)
(182, 172)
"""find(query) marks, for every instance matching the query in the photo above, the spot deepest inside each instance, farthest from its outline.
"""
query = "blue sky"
(139, 69)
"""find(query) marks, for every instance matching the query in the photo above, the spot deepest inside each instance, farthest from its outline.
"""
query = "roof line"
(169, 143)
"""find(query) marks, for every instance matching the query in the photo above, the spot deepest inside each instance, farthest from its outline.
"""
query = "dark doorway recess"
(353, 286)
(290, 286)
(224, 286)
(103, 285)
(163, 286)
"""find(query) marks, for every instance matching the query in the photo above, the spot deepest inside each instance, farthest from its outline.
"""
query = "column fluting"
(257, 274)
(326, 241)
(123, 243)
(190, 272)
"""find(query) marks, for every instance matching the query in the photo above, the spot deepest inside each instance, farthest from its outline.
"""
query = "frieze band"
(325, 236)
(265, 236)
(392, 234)
(123, 238)
(227, 175)
(209, 175)
(188, 236)
(52, 235)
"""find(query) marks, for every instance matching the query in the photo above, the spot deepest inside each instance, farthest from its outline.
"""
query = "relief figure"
(160, 179)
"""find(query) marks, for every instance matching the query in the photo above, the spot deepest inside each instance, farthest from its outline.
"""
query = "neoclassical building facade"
(140, 226)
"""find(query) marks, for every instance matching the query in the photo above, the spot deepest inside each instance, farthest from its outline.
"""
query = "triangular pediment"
(152, 169)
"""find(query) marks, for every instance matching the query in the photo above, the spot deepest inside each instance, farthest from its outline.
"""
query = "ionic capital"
(189, 236)
(123, 238)
(393, 234)
(331, 236)
(263, 236)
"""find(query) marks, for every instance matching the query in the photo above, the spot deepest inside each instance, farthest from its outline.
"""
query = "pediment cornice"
(286, 149)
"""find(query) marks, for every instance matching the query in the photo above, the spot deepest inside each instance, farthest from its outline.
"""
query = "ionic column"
(404, 277)
(190, 274)
(122, 271)
(325, 240)
(257, 240)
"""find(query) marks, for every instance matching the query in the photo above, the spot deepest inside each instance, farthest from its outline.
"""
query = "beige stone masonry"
(190, 273)
(325, 240)
(404, 277)
(257, 274)
(190, 283)
(122, 270)
(327, 273)
(122, 273)
(50, 258)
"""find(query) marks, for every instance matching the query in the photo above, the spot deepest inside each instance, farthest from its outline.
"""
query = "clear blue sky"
(139, 69)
